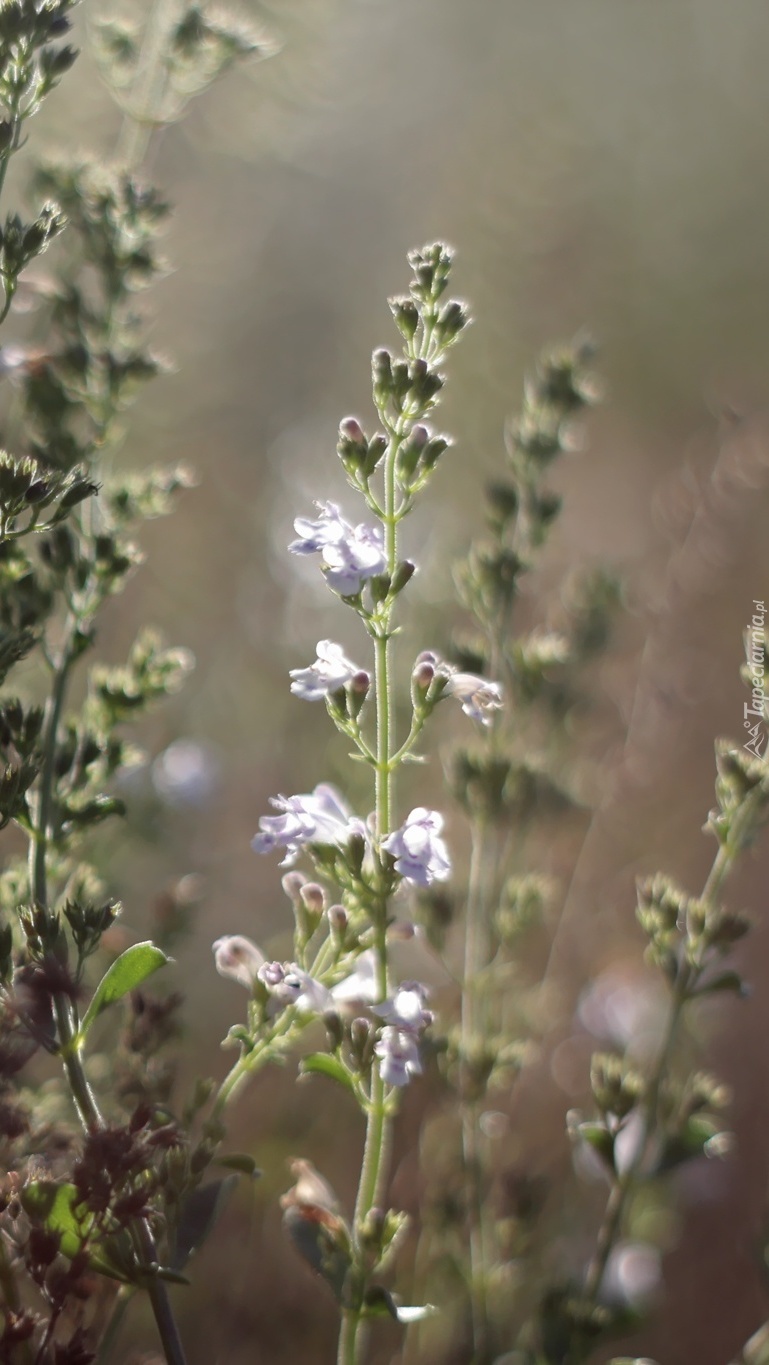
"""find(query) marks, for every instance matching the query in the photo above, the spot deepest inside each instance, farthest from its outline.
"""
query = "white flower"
(398, 1053)
(331, 671)
(478, 696)
(420, 853)
(320, 817)
(360, 985)
(238, 958)
(406, 1009)
(350, 554)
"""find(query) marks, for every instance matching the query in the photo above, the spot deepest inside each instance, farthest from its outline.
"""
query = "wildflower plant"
(109, 1189)
(515, 776)
(341, 948)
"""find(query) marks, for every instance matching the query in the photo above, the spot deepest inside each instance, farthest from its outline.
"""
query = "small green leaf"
(600, 1139)
(56, 1206)
(126, 973)
(323, 1064)
(725, 981)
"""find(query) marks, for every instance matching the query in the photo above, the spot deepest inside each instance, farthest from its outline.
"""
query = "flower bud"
(424, 671)
(237, 957)
(352, 446)
(382, 377)
(313, 898)
(362, 1039)
(361, 682)
(334, 1029)
(404, 572)
(337, 922)
(376, 449)
(359, 688)
(406, 315)
(350, 429)
(292, 884)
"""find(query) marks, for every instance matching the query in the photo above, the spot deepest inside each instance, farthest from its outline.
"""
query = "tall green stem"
(378, 1125)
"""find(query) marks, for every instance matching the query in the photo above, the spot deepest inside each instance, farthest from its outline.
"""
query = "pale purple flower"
(420, 853)
(350, 554)
(320, 817)
(478, 696)
(290, 985)
(238, 958)
(331, 671)
(398, 1053)
(314, 536)
(405, 1010)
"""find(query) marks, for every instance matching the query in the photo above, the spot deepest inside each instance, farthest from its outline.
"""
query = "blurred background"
(598, 164)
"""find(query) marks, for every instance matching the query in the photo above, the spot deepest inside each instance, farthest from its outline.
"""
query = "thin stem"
(16, 120)
(378, 1124)
(143, 108)
(624, 1185)
(114, 1323)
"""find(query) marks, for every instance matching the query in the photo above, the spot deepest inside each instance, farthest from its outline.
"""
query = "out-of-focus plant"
(116, 1201)
(510, 783)
(482, 1262)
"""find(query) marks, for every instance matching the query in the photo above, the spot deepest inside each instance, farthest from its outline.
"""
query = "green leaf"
(199, 1212)
(323, 1064)
(600, 1139)
(126, 973)
(57, 1208)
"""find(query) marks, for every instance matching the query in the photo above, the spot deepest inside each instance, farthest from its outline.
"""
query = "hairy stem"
(378, 1125)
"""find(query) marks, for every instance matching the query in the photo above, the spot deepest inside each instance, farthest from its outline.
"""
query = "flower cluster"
(436, 678)
(321, 817)
(341, 951)
(350, 555)
(286, 983)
